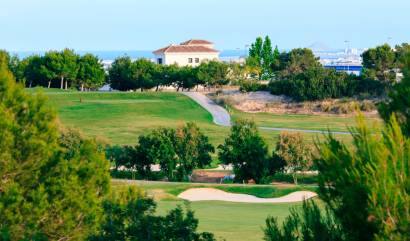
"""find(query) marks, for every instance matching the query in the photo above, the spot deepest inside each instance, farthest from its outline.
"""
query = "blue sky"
(147, 25)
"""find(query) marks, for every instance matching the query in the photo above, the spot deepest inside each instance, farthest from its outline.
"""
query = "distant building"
(188, 53)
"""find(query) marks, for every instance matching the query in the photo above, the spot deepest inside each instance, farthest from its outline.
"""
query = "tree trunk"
(82, 87)
(49, 83)
(295, 179)
(156, 90)
(66, 84)
(178, 89)
(62, 82)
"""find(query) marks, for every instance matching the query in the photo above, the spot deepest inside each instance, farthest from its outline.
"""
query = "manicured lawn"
(121, 117)
(228, 220)
(232, 221)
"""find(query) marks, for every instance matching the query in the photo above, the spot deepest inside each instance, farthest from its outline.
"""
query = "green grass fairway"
(121, 117)
(228, 220)
(232, 221)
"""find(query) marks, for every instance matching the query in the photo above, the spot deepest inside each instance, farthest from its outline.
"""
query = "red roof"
(185, 49)
(195, 42)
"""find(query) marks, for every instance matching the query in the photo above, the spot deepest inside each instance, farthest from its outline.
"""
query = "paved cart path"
(221, 116)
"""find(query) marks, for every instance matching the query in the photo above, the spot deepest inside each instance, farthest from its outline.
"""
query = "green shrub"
(302, 178)
(251, 86)
(318, 83)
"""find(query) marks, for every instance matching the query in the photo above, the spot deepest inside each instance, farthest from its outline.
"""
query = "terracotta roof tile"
(195, 41)
(185, 49)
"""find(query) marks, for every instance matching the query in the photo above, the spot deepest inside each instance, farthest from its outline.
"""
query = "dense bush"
(320, 83)
(290, 178)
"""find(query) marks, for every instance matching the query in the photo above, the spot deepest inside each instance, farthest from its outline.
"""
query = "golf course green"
(227, 220)
(121, 117)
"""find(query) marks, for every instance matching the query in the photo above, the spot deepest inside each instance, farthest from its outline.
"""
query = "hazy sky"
(151, 24)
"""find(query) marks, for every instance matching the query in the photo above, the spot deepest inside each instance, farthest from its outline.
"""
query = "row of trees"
(247, 152)
(383, 62)
(143, 74)
(262, 57)
(299, 74)
(178, 152)
(319, 83)
(55, 184)
(364, 187)
(64, 69)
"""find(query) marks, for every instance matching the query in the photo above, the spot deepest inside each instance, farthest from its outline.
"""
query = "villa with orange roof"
(188, 53)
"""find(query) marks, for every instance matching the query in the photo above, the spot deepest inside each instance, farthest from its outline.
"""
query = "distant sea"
(133, 54)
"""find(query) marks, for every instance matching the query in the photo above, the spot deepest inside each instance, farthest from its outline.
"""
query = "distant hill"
(319, 47)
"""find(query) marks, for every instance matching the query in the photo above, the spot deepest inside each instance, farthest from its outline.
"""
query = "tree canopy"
(51, 184)
(246, 151)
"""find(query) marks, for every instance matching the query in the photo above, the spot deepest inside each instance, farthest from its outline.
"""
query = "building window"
(190, 60)
(159, 60)
(196, 60)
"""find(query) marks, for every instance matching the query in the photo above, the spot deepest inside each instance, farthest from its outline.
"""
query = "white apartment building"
(188, 53)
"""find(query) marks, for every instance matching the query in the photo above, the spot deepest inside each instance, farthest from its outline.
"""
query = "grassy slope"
(121, 117)
(232, 221)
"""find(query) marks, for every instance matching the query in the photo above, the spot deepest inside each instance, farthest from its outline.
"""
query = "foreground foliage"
(130, 216)
(365, 189)
(51, 186)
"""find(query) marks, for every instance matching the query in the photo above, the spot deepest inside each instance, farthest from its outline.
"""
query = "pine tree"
(51, 185)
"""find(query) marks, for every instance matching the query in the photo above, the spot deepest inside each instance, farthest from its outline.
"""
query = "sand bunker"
(212, 194)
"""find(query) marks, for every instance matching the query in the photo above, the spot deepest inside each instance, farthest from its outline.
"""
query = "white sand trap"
(212, 194)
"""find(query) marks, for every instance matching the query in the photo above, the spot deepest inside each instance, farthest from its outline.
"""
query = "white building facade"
(188, 53)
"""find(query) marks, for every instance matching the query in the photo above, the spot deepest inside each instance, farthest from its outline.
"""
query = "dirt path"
(212, 194)
(221, 116)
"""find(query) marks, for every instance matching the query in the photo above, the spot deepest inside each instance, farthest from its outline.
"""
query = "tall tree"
(51, 186)
(255, 51)
(91, 73)
(246, 151)
(192, 148)
(121, 74)
(379, 63)
(142, 74)
(35, 72)
(294, 151)
(261, 55)
(61, 65)
(267, 58)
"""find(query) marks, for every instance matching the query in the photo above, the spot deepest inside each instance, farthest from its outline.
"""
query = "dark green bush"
(252, 85)
(302, 178)
(320, 83)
